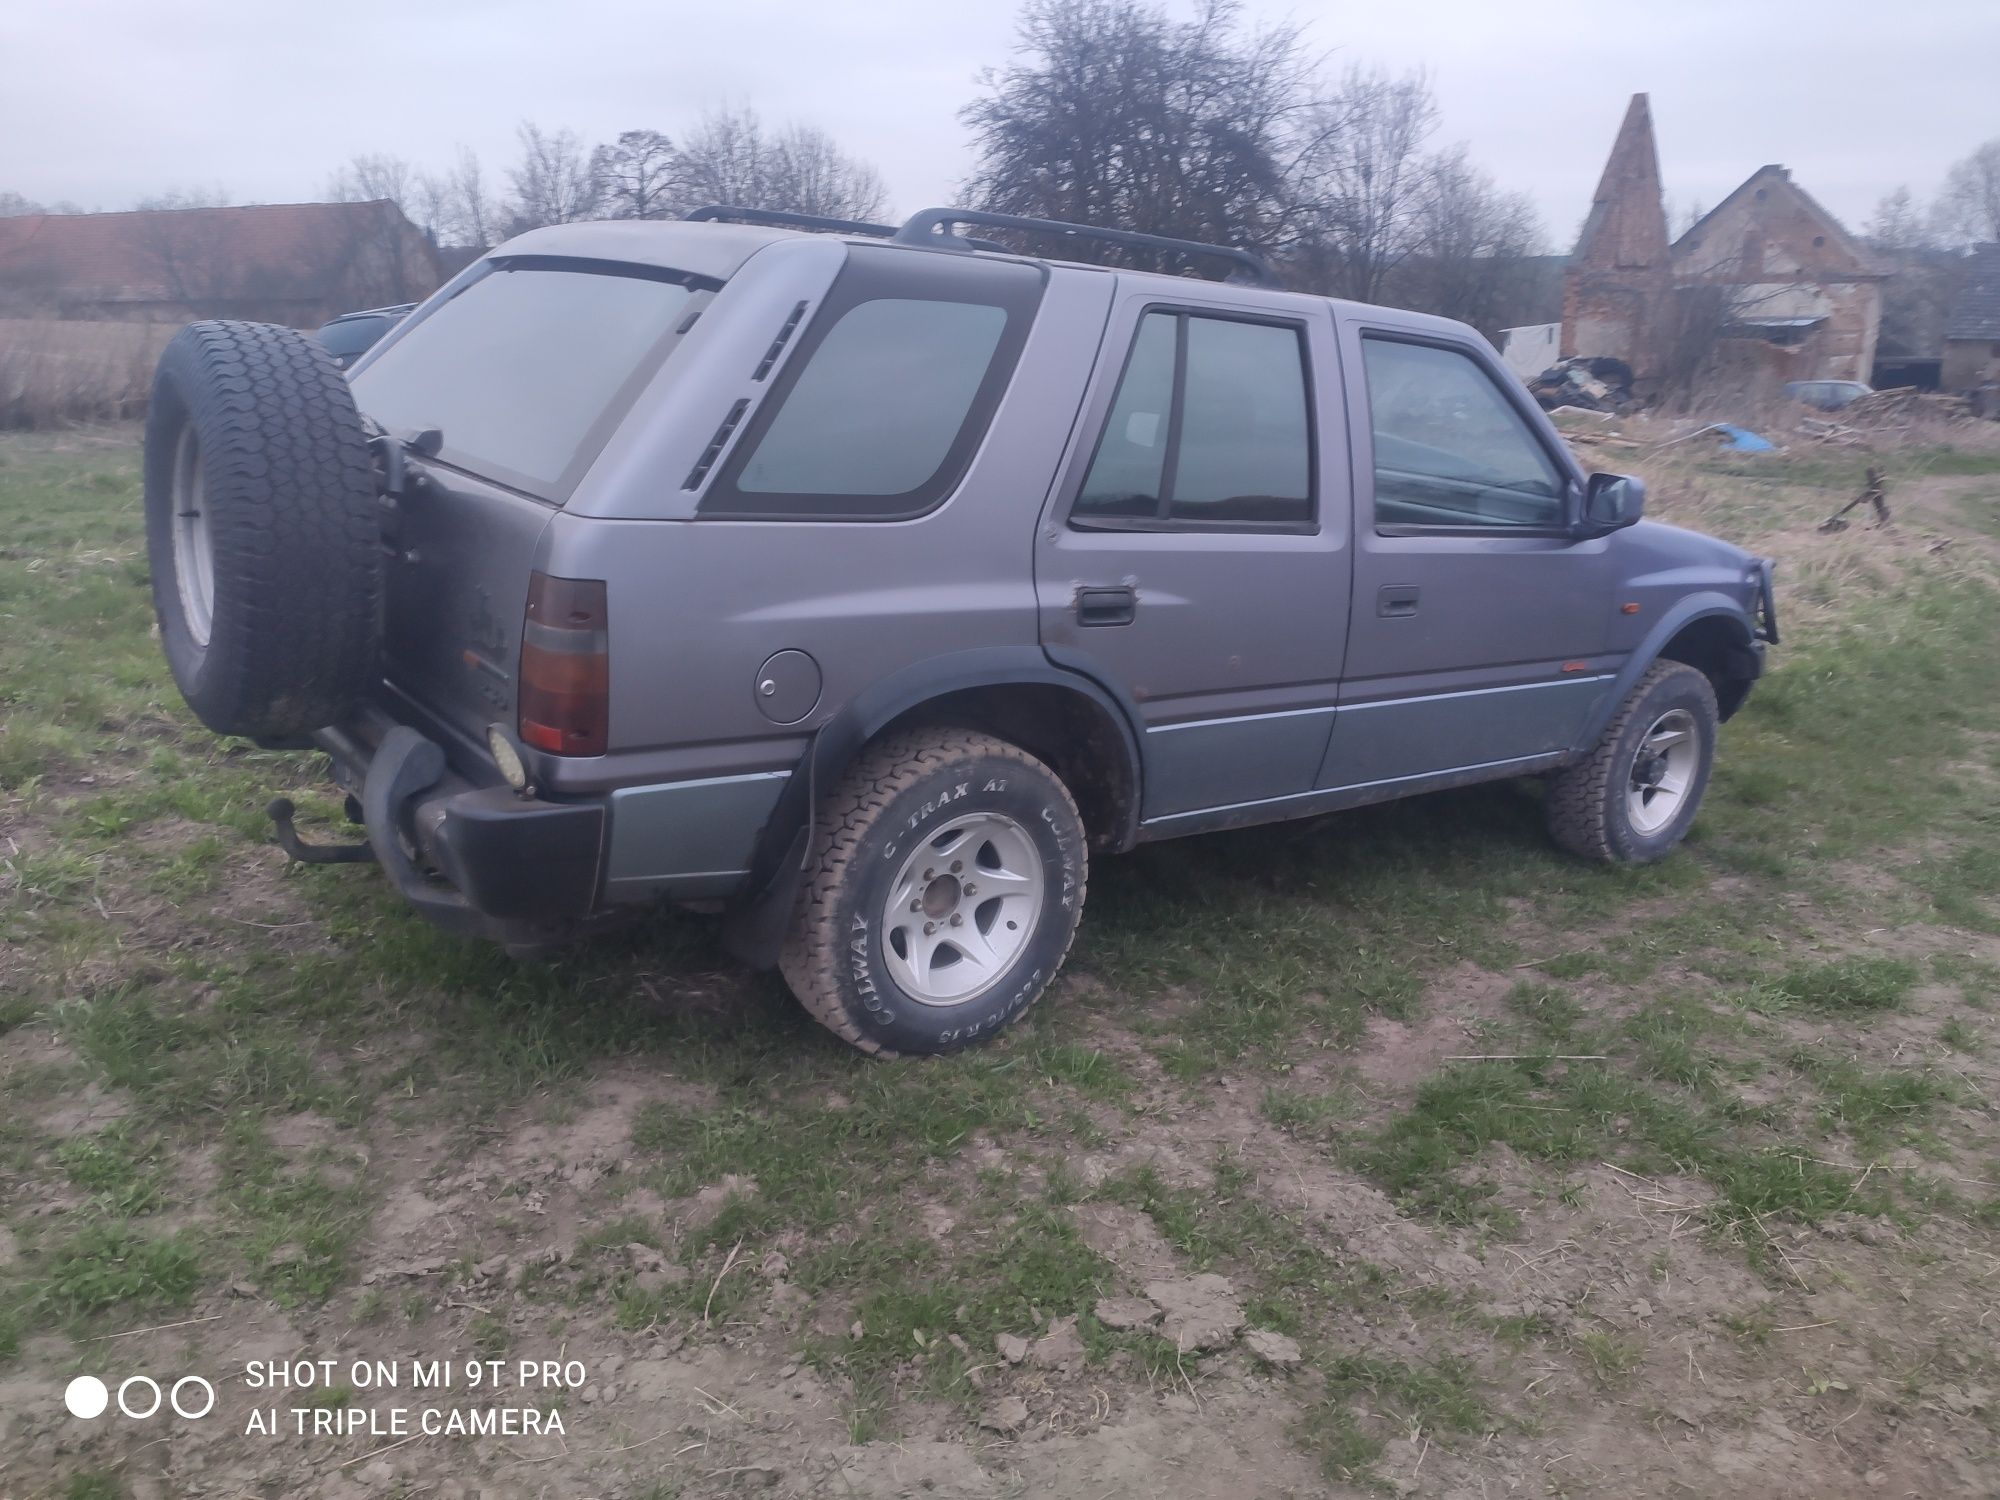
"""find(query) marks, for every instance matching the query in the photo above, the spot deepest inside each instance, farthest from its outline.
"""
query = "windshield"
(528, 369)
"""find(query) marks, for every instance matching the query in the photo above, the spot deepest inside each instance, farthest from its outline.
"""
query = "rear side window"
(1210, 426)
(876, 409)
(528, 369)
(1450, 448)
(876, 415)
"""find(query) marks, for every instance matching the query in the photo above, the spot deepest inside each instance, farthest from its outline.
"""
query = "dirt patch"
(1127, 1238)
(1457, 1013)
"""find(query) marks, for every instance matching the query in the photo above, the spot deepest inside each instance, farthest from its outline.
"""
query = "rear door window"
(527, 370)
(1210, 427)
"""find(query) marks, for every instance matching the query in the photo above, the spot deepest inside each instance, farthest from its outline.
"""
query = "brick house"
(295, 263)
(1796, 281)
(1972, 332)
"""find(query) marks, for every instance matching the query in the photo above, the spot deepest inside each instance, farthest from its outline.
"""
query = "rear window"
(353, 336)
(528, 369)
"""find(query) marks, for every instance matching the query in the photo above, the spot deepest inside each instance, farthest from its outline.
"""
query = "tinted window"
(350, 338)
(1244, 453)
(1209, 425)
(880, 403)
(1126, 478)
(526, 370)
(1450, 449)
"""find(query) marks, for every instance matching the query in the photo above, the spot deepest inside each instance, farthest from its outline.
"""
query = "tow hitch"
(280, 813)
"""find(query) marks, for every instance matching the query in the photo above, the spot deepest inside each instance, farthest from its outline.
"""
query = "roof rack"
(932, 226)
(784, 218)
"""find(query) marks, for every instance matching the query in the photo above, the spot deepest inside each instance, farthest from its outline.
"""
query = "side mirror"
(1611, 502)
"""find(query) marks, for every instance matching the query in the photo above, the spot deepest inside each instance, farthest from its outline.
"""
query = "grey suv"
(861, 585)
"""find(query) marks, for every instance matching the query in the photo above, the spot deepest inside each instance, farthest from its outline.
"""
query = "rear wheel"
(1632, 799)
(261, 530)
(947, 882)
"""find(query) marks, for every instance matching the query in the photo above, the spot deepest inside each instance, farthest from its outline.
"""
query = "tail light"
(565, 688)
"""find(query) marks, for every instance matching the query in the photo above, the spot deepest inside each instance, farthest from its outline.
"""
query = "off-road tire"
(1586, 805)
(899, 792)
(288, 491)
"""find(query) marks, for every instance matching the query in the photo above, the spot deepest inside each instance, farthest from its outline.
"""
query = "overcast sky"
(106, 101)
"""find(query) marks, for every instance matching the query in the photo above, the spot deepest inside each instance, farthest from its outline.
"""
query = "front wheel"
(1632, 798)
(947, 881)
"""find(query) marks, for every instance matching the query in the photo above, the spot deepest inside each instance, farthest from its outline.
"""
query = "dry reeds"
(55, 372)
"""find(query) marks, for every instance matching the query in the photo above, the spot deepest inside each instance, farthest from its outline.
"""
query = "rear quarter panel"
(697, 606)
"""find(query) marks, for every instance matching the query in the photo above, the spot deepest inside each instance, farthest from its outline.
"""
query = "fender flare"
(754, 929)
(1706, 605)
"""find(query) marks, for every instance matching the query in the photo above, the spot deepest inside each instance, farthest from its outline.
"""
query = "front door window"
(1450, 449)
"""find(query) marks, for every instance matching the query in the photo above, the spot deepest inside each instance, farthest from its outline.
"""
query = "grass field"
(1560, 1180)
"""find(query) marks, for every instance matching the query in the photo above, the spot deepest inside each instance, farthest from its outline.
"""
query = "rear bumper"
(475, 859)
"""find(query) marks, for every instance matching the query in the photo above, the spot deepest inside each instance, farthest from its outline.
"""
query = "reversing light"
(565, 681)
(500, 745)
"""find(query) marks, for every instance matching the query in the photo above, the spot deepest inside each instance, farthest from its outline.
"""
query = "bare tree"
(452, 205)
(1471, 244)
(1898, 224)
(14, 206)
(1968, 207)
(377, 243)
(553, 183)
(370, 256)
(812, 175)
(470, 210)
(187, 197)
(430, 204)
(640, 175)
(1926, 275)
(1363, 183)
(1116, 114)
(724, 160)
(730, 158)
(375, 176)
(191, 253)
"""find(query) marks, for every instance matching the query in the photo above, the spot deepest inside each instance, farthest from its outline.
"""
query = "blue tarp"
(1742, 439)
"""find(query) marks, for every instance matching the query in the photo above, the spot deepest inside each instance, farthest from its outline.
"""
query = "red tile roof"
(271, 250)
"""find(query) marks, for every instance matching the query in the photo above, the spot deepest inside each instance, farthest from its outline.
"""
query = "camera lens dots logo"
(86, 1397)
(139, 1397)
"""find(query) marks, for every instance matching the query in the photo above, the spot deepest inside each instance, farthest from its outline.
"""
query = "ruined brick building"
(1767, 287)
(1618, 286)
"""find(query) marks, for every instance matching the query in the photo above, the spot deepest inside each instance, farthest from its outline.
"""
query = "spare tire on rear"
(261, 530)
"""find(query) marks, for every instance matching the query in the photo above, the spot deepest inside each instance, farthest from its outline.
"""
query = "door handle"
(1396, 600)
(1107, 606)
